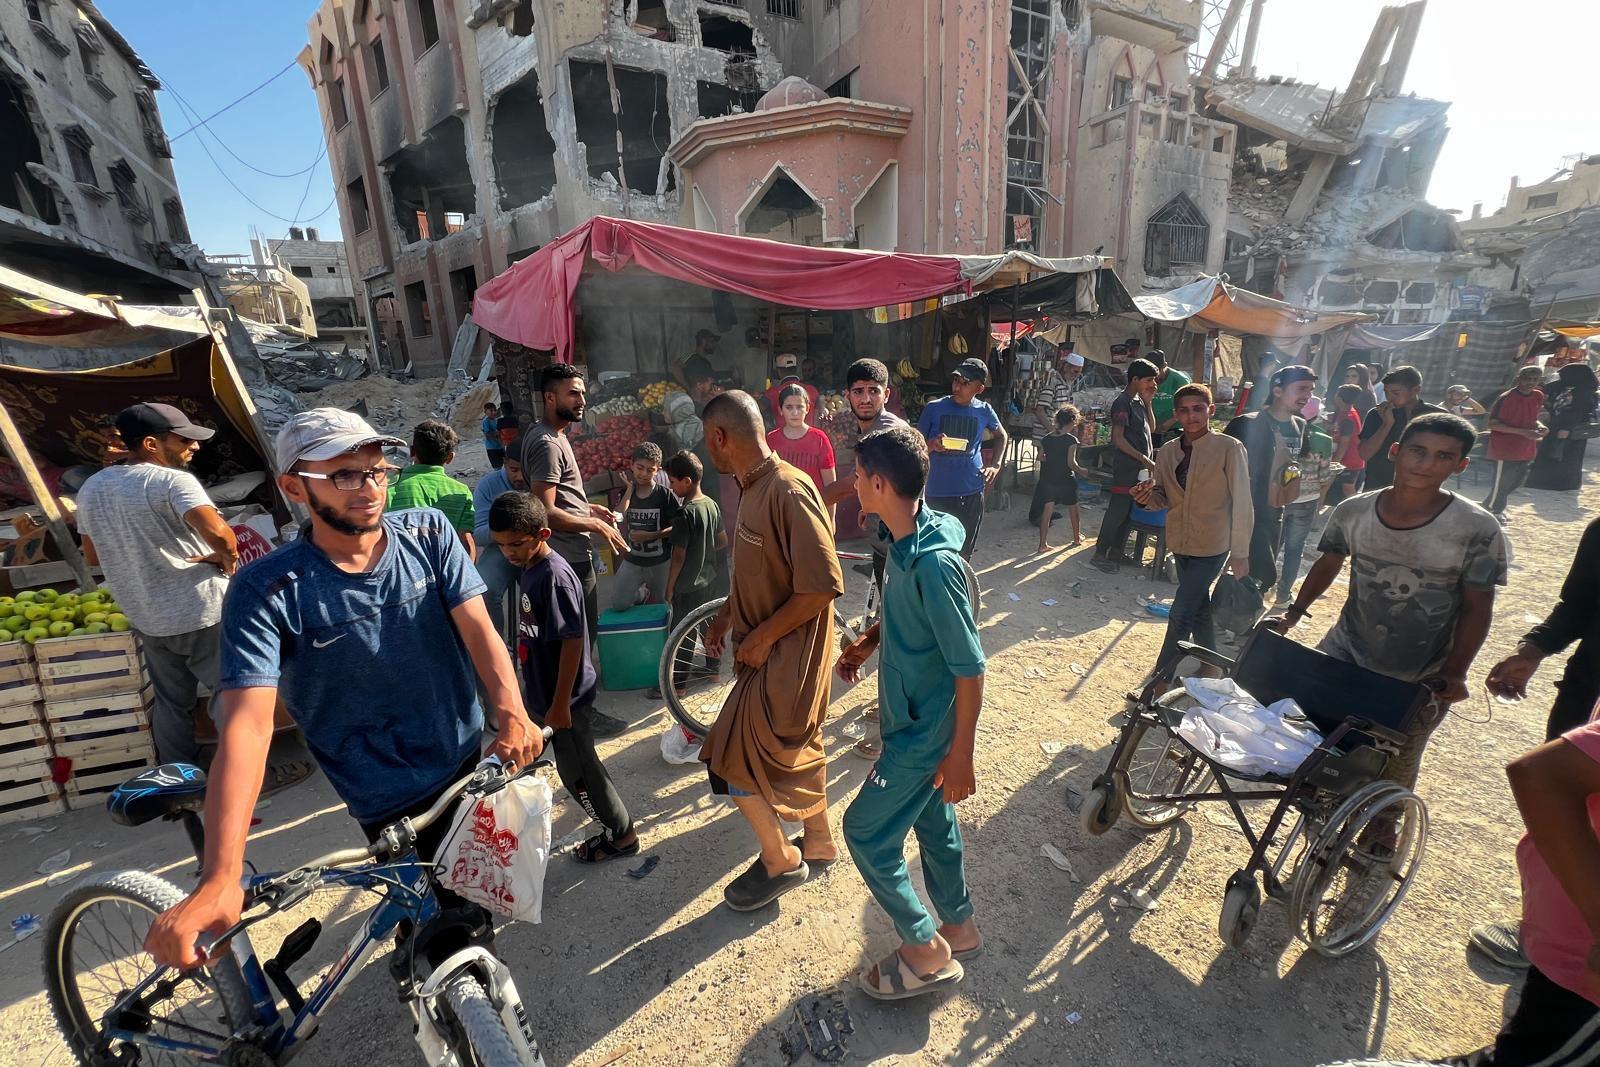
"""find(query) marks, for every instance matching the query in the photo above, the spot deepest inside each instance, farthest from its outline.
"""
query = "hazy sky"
(1518, 104)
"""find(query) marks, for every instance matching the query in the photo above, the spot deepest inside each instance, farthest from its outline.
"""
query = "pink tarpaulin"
(532, 303)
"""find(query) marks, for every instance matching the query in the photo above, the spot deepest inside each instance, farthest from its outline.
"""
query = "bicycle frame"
(406, 894)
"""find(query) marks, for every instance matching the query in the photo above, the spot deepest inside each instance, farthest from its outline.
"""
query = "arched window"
(1174, 237)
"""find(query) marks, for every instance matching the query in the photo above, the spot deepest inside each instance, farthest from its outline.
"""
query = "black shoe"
(603, 725)
(755, 888)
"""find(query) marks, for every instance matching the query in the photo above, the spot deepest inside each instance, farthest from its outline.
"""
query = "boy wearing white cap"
(371, 626)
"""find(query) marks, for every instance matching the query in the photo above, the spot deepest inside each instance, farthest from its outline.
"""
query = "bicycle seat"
(160, 792)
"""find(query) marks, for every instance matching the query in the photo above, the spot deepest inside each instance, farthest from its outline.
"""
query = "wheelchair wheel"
(1359, 867)
(1100, 810)
(1157, 763)
(1241, 905)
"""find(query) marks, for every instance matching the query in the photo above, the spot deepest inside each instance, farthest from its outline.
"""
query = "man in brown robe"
(765, 750)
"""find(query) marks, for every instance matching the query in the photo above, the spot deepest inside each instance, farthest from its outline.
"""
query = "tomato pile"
(609, 446)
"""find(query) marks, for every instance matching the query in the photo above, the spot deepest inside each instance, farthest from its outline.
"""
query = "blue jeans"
(1190, 618)
(500, 598)
(1298, 519)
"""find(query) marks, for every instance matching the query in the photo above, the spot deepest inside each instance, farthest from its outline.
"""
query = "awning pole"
(48, 504)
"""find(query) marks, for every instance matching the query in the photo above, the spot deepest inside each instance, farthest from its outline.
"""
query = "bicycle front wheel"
(94, 953)
(693, 683)
(482, 1040)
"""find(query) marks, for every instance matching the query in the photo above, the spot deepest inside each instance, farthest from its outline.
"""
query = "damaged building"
(461, 143)
(88, 199)
(1542, 245)
(1328, 204)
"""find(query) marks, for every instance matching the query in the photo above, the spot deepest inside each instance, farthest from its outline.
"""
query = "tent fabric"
(1007, 268)
(1213, 304)
(532, 303)
(36, 311)
(1077, 297)
(1485, 364)
(1368, 335)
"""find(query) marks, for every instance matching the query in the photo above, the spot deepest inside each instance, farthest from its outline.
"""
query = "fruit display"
(654, 395)
(831, 404)
(609, 444)
(618, 405)
(35, 615)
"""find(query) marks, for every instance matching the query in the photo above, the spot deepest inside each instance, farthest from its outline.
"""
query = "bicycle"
(695, 685)
(467, 1010)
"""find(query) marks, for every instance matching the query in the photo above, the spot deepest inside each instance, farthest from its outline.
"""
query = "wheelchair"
(1354, 841)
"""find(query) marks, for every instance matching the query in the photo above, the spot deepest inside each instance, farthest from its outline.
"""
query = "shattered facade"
(324, 267)
(88, 199)
(1543, 244)
(1328, 204)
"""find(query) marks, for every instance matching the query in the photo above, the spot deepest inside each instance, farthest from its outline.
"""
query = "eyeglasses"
(351, 480)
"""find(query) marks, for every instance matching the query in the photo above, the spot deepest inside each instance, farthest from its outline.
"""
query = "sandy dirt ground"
(656, 970)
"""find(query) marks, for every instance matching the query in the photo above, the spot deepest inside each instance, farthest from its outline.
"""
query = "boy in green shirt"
(424, 484)
(930, 688)
(697, 537)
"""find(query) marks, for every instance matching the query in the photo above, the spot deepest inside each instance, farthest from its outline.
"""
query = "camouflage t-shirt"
(1405, 585)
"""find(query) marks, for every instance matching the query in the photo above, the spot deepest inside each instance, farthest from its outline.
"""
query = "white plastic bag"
(679, 745)
(498, 848)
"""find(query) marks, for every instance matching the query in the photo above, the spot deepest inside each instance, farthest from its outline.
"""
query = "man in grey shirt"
(551, 471)
(167, 553)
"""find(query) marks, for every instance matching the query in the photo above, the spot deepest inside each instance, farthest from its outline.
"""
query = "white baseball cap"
(1074, 359)
(323, 433)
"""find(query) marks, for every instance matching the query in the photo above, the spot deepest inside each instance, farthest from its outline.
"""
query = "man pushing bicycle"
(338, 622)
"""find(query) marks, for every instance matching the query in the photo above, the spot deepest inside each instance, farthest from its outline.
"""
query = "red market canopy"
(532, 303)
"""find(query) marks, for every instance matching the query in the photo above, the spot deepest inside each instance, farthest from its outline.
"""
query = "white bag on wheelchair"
(498, 848)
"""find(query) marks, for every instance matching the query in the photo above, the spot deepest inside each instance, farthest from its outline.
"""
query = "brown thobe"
(768, 739)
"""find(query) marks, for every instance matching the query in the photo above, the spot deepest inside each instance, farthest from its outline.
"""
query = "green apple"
(6, 635)
(95, 596)
(78, 631)
(118, 622)
(34, 634)
(7, 610)
(96, 616)
(60, 628)
(96, 628)
(110, 607)
(15, 624)
(37, 612)
(28, 595)
(49, 595)
(61, 615)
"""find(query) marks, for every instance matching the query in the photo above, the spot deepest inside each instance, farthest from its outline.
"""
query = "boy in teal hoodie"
(930, 687)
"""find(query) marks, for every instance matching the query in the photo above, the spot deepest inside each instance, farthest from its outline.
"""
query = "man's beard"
(572, 414)
(339, 522)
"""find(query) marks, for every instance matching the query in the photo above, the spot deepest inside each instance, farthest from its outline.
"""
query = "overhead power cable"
(201, 122)
(246, 196)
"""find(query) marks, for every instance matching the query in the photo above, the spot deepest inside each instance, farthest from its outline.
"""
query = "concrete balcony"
(1152, 23)
(1183, 130)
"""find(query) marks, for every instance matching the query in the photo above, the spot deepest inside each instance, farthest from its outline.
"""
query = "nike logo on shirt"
(324, 644)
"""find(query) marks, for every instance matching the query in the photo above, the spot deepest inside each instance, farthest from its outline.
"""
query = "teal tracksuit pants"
(892, 803)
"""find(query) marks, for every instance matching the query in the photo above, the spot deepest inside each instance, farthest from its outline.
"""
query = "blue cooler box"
(631, 643)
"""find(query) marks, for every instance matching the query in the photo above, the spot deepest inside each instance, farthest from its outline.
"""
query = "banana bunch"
(957, 344)
(906, 370)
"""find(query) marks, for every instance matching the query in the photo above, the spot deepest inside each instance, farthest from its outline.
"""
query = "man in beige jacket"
(1203, 480)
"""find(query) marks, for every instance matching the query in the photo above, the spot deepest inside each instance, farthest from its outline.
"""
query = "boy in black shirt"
(560, 680)
(1131, 430)
(647, 510)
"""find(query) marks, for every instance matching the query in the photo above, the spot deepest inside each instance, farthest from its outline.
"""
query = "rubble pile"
(395, 407)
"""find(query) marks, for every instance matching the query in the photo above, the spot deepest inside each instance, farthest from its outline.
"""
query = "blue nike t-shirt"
(957, 473)
(370, 665)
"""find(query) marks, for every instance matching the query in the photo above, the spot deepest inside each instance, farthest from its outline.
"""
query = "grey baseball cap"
(323, 433)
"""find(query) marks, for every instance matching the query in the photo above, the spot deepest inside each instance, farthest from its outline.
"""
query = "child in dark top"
(1058, 481)
(647, 509)
(697, 539)
(560, 680)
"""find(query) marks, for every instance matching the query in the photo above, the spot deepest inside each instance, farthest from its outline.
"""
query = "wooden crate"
(100, 764)
(71, 667)
(19, 680)
(83, 718)
(26, 791)
(24, 738)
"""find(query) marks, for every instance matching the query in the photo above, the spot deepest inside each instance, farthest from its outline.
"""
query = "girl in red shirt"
(803, 446)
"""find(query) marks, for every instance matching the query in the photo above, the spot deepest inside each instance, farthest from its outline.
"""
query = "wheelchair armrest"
(1364, 725)
(1206, 655)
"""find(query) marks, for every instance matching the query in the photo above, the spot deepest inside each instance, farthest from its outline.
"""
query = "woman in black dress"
(1570, 403)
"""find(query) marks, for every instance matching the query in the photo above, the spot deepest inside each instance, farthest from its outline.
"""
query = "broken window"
(360, 210)
(417, 309)
(845, 86)
(1121, 92)
(1382, 292)
(177, 227)
(463, 284)
(150, 123)
(80, 155)
(380, 64)
(1175, 236)
(1178, 104)
(1416, 231)
(426, 19)
(300, 270)
(34, 11)
(785, 212)
(126, 185)
(1421, 293)
(337, 108)
(784, 9)
(714, 100)
(650, 19)
(1335, 292)
(1027, 129)
(727, 35)
(523, 150)
(431, 184)
(19, 189)
(521, 24)
(644, 121)
(1537, 201)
